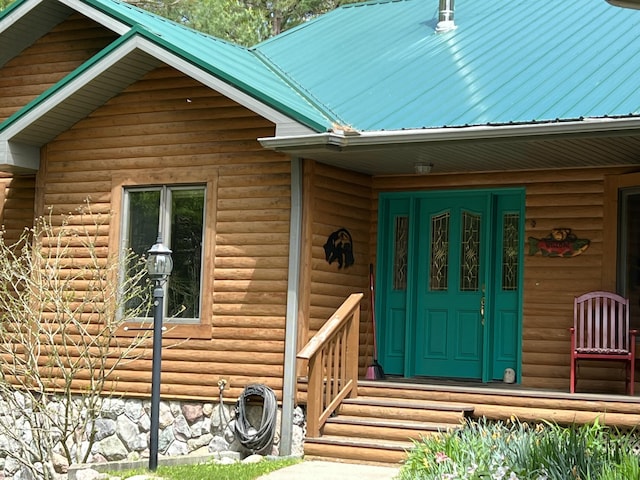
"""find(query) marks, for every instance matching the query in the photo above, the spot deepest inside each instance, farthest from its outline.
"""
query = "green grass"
(208, 471)
(520, 451)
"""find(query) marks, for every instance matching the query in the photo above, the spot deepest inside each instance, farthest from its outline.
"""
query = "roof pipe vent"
(625, 3)
(445, 17)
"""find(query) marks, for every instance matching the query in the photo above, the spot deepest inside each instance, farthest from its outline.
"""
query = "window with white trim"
(176, 213)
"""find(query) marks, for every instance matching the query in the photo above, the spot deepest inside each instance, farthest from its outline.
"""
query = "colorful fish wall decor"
(559, 243)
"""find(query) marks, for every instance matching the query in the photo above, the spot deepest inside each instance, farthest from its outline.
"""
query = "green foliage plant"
(519, 451)
(245, 22)
(5, 3)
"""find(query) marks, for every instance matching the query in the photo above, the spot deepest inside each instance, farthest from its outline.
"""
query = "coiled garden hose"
(258, 439)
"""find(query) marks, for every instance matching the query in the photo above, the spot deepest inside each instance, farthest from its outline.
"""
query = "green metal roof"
(235, 64)
(381, 65)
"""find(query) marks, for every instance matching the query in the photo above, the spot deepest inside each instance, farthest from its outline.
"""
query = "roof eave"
(342, 140)
(22, 23)
(18, 158)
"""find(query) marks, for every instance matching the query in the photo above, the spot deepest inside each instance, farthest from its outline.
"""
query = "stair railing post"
(353, 345)
(314, 395)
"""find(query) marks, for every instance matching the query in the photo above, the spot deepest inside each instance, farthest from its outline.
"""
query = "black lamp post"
(159, 266)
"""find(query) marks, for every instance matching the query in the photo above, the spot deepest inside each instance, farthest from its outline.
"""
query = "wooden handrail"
(332, 354)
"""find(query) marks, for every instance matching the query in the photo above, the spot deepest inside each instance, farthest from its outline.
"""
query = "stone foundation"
(186, 428)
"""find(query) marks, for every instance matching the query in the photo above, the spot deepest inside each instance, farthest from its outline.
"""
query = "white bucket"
(509, 375)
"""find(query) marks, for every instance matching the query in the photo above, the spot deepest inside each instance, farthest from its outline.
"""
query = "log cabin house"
(443, 148)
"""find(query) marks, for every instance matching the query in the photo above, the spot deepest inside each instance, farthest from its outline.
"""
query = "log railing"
(332, 355)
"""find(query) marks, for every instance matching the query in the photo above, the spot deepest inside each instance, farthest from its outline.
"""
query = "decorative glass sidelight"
(470, 252)
(510, 241)
(401, 252)
(438, 272)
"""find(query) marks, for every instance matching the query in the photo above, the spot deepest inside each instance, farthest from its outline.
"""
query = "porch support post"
(291, 328)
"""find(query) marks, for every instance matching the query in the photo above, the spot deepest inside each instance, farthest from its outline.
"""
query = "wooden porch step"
(525, 404)
(358, 427)
(410, 403)
(380, 429)
(396, 409)
(341, 448)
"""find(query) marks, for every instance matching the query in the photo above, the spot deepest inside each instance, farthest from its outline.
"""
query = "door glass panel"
(510, 242)
(470, 252)
(401, 249)
(438, 279)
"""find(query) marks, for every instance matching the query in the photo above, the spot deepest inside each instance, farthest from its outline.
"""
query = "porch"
(378, 425)
(375, 421)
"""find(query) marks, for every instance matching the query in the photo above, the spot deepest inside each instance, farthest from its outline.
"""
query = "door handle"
(482, 302)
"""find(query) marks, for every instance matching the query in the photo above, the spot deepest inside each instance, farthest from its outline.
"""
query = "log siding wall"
(335, 199)
(17, 200)
(26, 76)
(562, 198)
(48, 60)
(168, 127)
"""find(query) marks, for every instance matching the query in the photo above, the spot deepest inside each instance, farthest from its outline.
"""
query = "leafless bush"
(62, 299)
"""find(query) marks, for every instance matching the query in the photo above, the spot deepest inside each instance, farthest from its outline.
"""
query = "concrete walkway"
(319, 470)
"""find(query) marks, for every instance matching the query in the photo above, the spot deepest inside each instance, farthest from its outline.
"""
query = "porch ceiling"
(620, 148)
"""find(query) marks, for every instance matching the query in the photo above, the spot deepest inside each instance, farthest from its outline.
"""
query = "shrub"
(518, 451)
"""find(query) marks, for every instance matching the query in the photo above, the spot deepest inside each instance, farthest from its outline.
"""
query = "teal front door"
(449, 283)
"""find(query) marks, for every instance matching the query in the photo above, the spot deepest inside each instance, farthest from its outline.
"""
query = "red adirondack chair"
(601, 332)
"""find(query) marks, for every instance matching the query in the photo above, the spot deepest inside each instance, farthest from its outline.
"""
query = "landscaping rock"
(23, 474)
(112, 408)
(60, 463)
(226, 461)
(192, 412)
(165, 439)
(166, 416)
(133, 409)
(181, 429)
(220, 418)
(218, 444)
(105, 427)
(255, 458)
(177, 448)
(112, 448)
(199, 442)
(199, 428)
(89, 474)
(128, 432)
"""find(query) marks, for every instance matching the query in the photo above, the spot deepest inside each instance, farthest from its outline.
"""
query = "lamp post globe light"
(159, 262)
(159, 266)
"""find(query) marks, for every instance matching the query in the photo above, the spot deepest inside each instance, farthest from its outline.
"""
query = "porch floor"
(496, 388)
